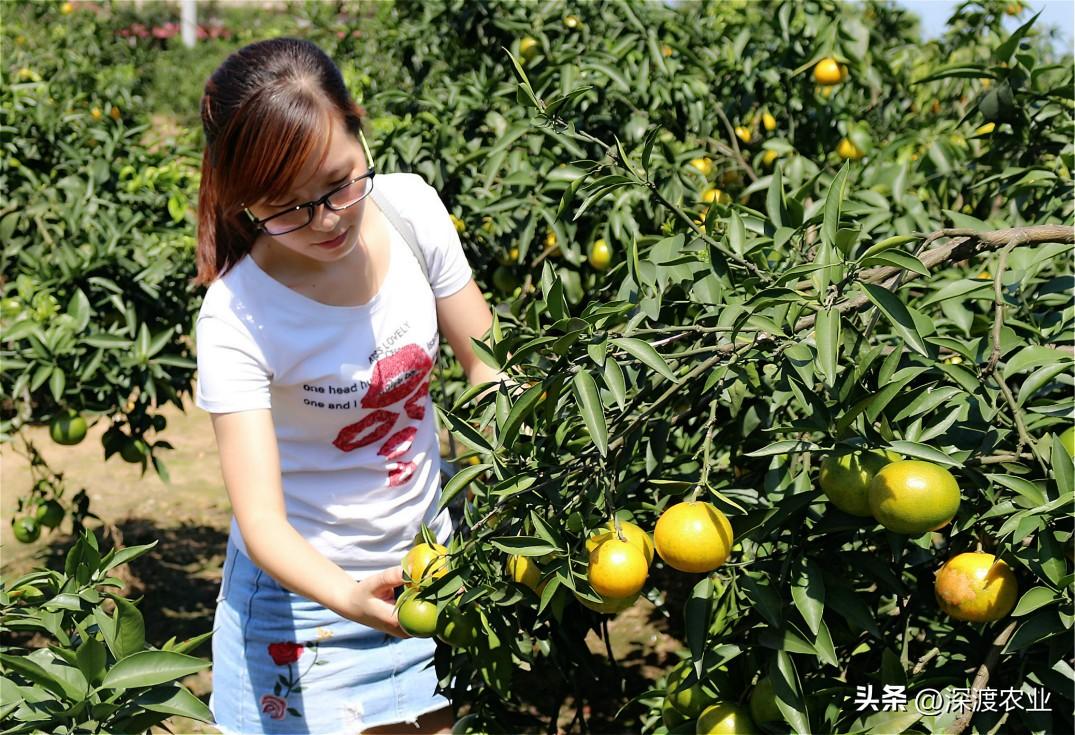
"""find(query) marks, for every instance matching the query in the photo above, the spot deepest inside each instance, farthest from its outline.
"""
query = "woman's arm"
(250, 463)
(462, 316)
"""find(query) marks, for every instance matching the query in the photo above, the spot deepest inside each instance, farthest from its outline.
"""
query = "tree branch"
(982, 677)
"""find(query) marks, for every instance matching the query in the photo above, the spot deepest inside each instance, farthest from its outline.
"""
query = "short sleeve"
(232, 372)
(449, 270)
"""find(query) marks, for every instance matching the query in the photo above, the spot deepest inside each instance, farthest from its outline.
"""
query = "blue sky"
(1059, 13)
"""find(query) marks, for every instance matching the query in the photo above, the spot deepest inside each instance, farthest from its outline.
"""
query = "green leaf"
(808, 592)
(35, 674)
(130, 636)
(593, 412)
(523, 545)
(1004, 51)
(644, 352)
(519, 411)
(827, 337)
(786, 687)
(91, 660)
(898, 259)
(898, 316)
(698, 614)
(889, 242)
(1032, 599)
(459, 481)
(175, 700)
(785, 446)
(774, 198)
(1033, 356)
(1034, 495)
(464, 431)
(149, 668)
(834, 199)
(613, 375)
(924, 452)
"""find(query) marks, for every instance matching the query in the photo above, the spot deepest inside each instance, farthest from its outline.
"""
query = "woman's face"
(331, 235)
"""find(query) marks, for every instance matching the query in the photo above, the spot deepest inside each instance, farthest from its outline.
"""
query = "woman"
(316, 342)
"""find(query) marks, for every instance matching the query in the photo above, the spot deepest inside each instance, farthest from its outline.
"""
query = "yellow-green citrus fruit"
(571, 21)
(768, 121)
(912, 496)
(763, 706)
(609, 605)
(693, 537)
(504, 280)
(617, 568)
(845, 479)
(977, 587)
(26, 530)
(460, 225)
(631, 532)
(49, 514)
(670, 716)
(133, 451)
(704, 166)
(418, 617)
(715, 195)
(600, 255)
(458, 627)
(743, 134)
(425, 561)
(68, 429)
(827, 72)
(1068, 440)
(686, 693)
(985, 129)
(848, 150)
(528, 48)
(725, 718)
(769, 157)
(525, 571)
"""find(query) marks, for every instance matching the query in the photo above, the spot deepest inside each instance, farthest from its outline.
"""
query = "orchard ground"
(178, 580)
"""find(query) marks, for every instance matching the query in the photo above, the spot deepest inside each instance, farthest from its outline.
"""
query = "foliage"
(96, 673)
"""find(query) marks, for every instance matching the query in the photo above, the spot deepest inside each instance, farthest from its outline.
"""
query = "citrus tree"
(823, 357)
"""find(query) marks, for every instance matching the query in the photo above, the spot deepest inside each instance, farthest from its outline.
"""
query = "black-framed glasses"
(343, 196)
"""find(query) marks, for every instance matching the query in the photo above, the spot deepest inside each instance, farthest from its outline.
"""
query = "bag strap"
(406, 229)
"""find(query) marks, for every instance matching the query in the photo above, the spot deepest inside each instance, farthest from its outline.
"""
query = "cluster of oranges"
(913, 497)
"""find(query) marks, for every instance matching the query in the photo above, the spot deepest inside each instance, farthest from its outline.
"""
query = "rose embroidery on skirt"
(286, 653)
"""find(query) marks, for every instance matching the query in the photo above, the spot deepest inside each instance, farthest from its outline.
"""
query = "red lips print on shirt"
(394, 378)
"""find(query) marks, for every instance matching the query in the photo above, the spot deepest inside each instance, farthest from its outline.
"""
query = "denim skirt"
(285, 664)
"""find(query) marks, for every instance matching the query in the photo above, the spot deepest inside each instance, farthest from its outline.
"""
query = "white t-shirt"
(348, 387)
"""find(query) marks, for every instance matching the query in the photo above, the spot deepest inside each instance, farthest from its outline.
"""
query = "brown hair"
(266, 110)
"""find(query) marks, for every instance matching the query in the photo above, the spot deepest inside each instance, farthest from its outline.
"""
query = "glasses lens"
(352, 193)
(287, 221)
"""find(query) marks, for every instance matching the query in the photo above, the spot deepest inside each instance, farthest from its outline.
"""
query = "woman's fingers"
(376, 600)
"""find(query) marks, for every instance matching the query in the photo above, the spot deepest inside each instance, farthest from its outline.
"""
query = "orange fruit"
(526, 572)
(845, 479)
(25, 529)
(768, 121)
(670, 716)
(68, 428)
(848, 150)
(913, 497)
(133, 450)
(600, 255)
(49, 514)
(769, 157)
(977, 587)
(743, 134)
(424, 561)
(686, 693)
(827, 72)
(703, 165)
(608, 605)
(418, 617)
(617, 569)
(528, 48)
(632, 533)
(693, 536)
(725, 718)
(763, 706)
(457, 627)
(711, 195)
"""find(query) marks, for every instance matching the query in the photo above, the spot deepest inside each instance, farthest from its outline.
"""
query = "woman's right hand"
(373, 600)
